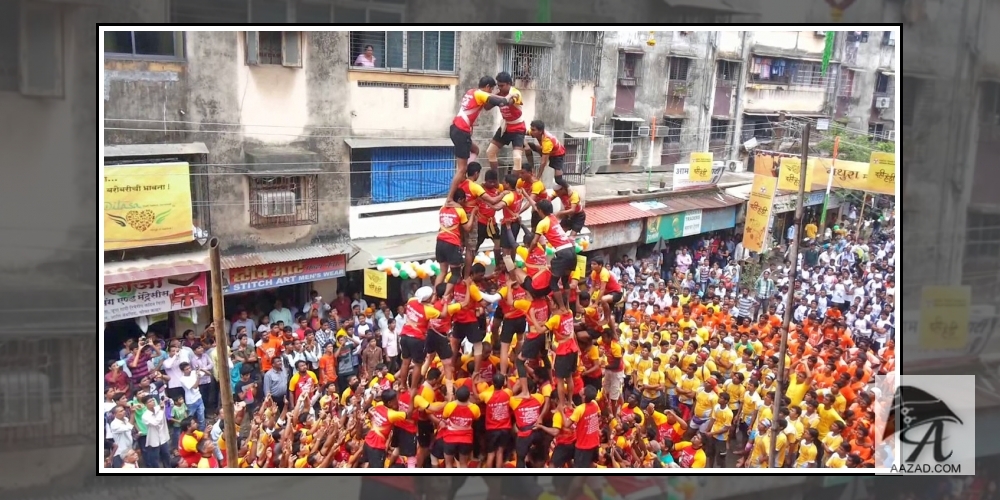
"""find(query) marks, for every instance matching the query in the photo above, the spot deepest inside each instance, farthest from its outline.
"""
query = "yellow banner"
(790, 172)
(147, 205)
(376, 283)
(882, 172)
(758, 212)
(847, 175)
(701, 167)
(944, 317)
(581, 268)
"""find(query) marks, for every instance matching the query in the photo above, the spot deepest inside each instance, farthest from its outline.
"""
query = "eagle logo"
(914, 409)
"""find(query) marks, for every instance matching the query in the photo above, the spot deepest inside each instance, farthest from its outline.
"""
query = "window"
(279, 48)
(629, 69)
(679, 67)
(585, 56)
(877, 131)
(530, 65)
(144, 44)
(806, 73)
(912, 88)
(673, 132)
(882, 83)
(284, 201)
(990, 104)
(420, 51)
(32, 60)
(984, 234)
(846, 83)
(720, 130)
(728, 71)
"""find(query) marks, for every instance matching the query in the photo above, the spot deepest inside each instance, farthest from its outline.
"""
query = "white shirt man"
(172, 366)
(390, 341)
(121, 433)
(157, 433)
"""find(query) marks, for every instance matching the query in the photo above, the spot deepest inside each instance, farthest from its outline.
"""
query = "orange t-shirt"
(268, 351)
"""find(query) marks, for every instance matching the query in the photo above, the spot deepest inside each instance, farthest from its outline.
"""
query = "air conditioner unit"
(891, 42)
(24, 399)
(890, 135)
(821, 33)
(883, 102)
(735, 166)
(643, 132)
(276, 203)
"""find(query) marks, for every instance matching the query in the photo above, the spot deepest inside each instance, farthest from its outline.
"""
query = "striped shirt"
(745, 305)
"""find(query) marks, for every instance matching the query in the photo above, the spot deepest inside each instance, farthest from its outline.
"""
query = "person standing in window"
(366, 59)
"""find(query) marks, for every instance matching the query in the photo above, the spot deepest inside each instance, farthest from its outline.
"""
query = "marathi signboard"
(846, 175)
(147, 205)
(982, 323)
(759, 213)
(248, 279)
(692, 222)
(682, 176)
(700, 167)
(154, 296)
(718, 219)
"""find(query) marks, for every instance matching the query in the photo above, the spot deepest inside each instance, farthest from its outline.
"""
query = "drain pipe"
(741, 84)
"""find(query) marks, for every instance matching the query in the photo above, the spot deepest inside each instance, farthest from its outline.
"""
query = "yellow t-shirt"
(537, 187)
(827, 416)
(723, 418)
(688, 384)
(704, 402)
(807, 455)
(652, 378)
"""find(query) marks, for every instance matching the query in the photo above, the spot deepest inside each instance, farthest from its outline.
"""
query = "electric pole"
(793, 273)
(222, 356)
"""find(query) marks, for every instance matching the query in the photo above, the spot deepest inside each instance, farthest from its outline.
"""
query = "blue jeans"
(197, 410)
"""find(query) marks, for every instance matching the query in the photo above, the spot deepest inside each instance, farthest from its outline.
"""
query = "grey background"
(948, 47)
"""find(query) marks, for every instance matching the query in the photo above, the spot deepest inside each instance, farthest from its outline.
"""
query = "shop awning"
(742, 192)
(583, 135)
(627, 119)
(359, 143)
(156, 267)
(286, 255)
(701, 202)
(614, 212)
(805, 114)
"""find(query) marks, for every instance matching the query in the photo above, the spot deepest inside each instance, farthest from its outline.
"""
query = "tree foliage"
(853, 146)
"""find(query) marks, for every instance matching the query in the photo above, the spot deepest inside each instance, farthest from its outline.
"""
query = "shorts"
(497, 439)
(448, 253)
(462, 141)
(437, 449)
(413, 349)
(406, 442)
(538, 292)
(512, 327)
(471, 239)
(458, 449)
(594, 382)
(437, 343)
(468, 331)
(375, 458)
(425, 433)
(574, 222)
(490, 231)
(584, 458)
(616, 297)
(613, 382)
(523, 444)
(563, 263)
(533, 347)
(556, 162)
(515, 139)
(565, 364)
(563, 455)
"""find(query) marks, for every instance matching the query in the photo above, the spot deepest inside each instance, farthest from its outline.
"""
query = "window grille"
(529, 65)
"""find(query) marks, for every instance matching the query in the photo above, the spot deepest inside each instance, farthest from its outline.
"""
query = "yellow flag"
(701, 167)
(788, 175)
(581, 268)
(376, 283)
(758, 212)
(944, 317)
(882, 172)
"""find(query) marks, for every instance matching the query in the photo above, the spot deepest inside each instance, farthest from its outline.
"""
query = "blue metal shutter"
(403, 174)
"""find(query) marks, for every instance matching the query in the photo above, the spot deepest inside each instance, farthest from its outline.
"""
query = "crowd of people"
(667, 362)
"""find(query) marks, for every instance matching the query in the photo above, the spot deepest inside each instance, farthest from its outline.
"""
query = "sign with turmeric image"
(147, 205)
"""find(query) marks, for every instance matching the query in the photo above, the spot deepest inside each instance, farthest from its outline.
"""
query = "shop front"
(256, 288)
(684, 228)
(616, 240)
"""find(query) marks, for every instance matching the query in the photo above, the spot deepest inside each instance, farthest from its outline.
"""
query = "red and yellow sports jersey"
(551, 146)
(450, 220)
(554, 233)
(513, 115)
(472, 104)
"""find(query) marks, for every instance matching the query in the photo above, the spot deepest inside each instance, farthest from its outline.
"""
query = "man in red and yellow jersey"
(476, 198)
(572, 214)
(466, 325)
(458, 418)
(587, 418)
(552, 151)
(413, 338)
(514, 322)
(614, 371)
(452, 221)
(564, 430)
(428, 394)
(534, 190)
(498, 420)
(187, 444)
(562, 326)
(564, 261)
(473, 103)
(528, 406)
(487, 223)
(384, 416)
(512, 130)
(512, 205)
(533, 348)
(303, 381)
(609, 291)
